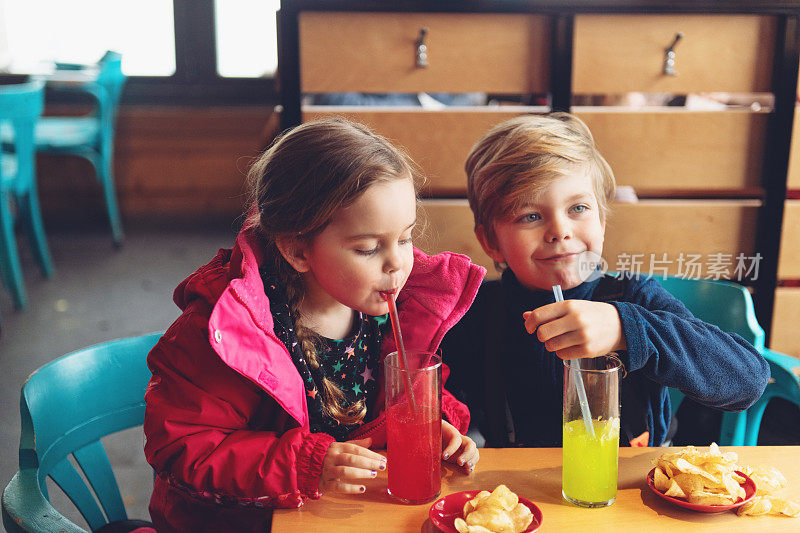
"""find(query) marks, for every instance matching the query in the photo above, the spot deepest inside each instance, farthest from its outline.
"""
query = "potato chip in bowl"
(499, 511)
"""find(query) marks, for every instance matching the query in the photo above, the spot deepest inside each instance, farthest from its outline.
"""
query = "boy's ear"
(294, 251)
(487, 245)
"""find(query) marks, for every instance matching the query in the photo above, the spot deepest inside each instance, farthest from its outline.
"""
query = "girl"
(267, 390)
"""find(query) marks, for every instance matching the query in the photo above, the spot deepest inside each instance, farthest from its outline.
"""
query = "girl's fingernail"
(471, 468)
(362, 488)
(382, 466)
(374, 473)
(445, 455)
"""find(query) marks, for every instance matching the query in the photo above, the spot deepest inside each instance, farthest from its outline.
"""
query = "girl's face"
(365, 249)
(542, 242)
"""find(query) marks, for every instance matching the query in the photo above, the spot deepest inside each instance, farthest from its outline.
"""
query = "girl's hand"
(577, 328)
(346, 463)
(458, 448)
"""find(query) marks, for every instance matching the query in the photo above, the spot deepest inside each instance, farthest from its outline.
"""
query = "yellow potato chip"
(768, 479)
(521, 516)
(674, 490)
(498, 511)
(493, 518)
(460, 525)
(755, 507)
(502, 497)
(473, 503)
(710, 498)
(660, 480)
(688, 483)
(783, 507)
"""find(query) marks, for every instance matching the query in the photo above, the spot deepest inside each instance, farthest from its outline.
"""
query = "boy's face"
(541, 243)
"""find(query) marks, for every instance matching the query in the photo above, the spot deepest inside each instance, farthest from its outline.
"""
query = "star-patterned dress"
(351, 363)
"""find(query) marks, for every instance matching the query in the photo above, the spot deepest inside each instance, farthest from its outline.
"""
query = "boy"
(539, 191)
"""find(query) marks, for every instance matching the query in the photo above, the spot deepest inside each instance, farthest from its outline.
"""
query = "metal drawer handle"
(669, 56)
(422, 49)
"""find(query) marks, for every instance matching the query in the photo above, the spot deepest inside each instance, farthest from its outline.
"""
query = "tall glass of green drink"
(591, 431)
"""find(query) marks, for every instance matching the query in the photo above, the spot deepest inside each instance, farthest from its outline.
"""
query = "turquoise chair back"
(728, 306)
(66, 407)
(784, 383)
(21, 106)
(91, 136)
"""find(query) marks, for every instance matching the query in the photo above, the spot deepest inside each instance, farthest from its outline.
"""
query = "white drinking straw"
(575, 363)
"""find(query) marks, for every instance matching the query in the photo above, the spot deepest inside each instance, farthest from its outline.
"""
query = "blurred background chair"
(66, 407)
(90, 136)
(729, 306)
(20, 108)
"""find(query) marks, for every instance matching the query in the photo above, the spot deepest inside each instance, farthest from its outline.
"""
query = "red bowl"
(749, 491)
(444, 511)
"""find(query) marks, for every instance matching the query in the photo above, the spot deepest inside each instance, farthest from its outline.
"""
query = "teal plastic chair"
(20, 108)
(90, 136)
(730, 307)
(784, 383)
(66, 407)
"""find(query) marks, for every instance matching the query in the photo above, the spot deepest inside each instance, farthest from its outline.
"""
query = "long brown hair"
(297, 186)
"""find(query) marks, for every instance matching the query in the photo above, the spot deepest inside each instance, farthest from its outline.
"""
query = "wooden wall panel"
(793, 178)
(447, 226)
(673, 227)
(182, 162)
(625, 53)
(438, 141)
(786, 320)
(467, 52)
(669, 151)
(789, 261)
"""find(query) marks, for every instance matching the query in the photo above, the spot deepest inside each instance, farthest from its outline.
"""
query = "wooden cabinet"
(711, 180)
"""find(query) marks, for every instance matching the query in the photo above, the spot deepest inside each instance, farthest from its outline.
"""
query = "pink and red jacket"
(226, 424)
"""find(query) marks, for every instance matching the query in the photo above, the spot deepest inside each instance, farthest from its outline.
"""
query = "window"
(174, 51)
(82, 30)
(246, 43)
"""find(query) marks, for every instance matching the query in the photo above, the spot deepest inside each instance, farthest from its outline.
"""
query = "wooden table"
(535, 473)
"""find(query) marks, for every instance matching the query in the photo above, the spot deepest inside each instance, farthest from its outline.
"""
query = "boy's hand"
(346, 463)
(577, 328)
(458, 448)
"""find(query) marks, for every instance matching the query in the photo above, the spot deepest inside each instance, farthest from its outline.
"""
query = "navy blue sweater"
(667, 347)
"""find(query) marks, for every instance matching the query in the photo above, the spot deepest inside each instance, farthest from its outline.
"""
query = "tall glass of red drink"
(414, 428)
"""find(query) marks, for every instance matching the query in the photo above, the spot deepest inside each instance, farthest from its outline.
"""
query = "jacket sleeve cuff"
(634, 356)
(455, 412)
(309, 463)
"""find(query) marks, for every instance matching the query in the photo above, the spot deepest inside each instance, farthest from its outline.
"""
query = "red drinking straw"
(401, 351)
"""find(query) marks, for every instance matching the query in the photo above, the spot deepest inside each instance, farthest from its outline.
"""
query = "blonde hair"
(297, 185)
(522, 156)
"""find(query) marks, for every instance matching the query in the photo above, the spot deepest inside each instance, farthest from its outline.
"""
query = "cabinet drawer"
(672, 227)
(730, 53)
(467, 52)
(789, 260)
(673, 150)
(642, 233)
(438, 141)
(785, 318)
(448, 226)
